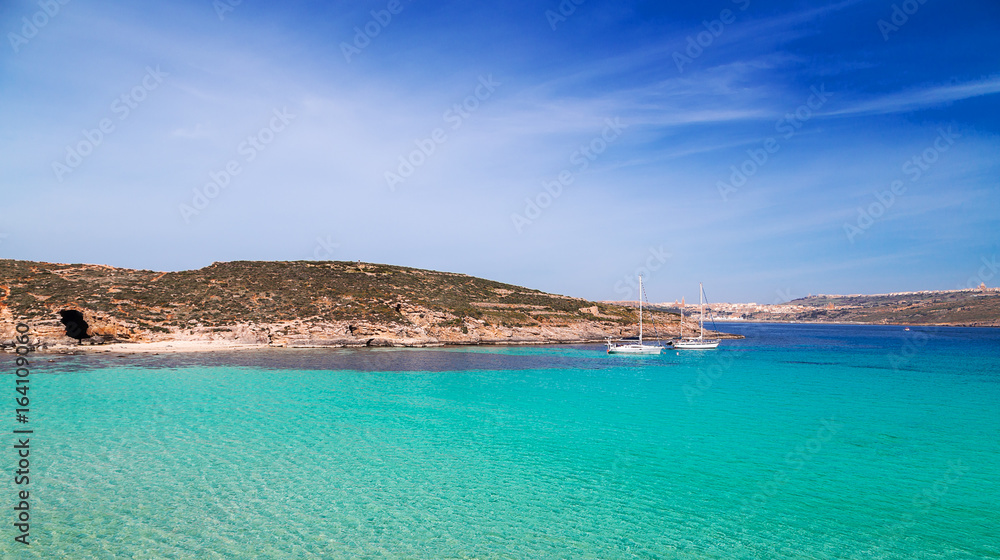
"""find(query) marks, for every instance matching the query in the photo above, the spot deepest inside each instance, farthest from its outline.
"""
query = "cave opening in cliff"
(76, 327)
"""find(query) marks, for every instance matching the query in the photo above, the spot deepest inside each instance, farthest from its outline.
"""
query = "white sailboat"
(699, 343)
(622, 347)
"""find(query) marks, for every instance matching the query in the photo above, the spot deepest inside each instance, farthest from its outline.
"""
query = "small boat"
(699, 343)
(626, 346)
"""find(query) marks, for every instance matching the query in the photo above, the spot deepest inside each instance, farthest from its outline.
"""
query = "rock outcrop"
(297, 304)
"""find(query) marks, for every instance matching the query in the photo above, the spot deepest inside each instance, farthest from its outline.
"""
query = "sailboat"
(622, 347)
(699, 343)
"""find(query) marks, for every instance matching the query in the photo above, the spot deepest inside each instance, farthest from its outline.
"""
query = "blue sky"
(768, 149)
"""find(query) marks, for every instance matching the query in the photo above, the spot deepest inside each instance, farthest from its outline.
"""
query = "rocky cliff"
(295, 304)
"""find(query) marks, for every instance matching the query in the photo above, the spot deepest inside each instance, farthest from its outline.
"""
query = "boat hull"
(695, 344)
(634, 349)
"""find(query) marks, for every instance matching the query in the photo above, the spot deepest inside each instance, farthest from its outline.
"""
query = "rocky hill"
(974, 307)
(295, 304)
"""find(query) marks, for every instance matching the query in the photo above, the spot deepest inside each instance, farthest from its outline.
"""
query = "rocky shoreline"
(298, 304)
(51, 338)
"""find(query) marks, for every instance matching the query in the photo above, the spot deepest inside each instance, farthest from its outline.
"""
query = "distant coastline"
(848, 324)
(975, 307)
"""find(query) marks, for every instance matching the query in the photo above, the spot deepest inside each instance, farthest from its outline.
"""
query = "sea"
(798, 441)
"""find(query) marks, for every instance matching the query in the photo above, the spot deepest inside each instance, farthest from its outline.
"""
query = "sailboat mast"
(701, 303)
(640, 309)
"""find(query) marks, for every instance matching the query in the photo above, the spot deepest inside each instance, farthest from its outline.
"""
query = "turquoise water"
(798, 442)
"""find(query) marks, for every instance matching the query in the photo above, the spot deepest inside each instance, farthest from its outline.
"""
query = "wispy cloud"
(920, 98)
(198, 131)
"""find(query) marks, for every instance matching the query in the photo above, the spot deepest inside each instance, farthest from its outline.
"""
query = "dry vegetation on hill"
(977, 308)
(298, 304)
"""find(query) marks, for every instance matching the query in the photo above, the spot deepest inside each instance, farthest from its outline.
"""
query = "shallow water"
(801, 441)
